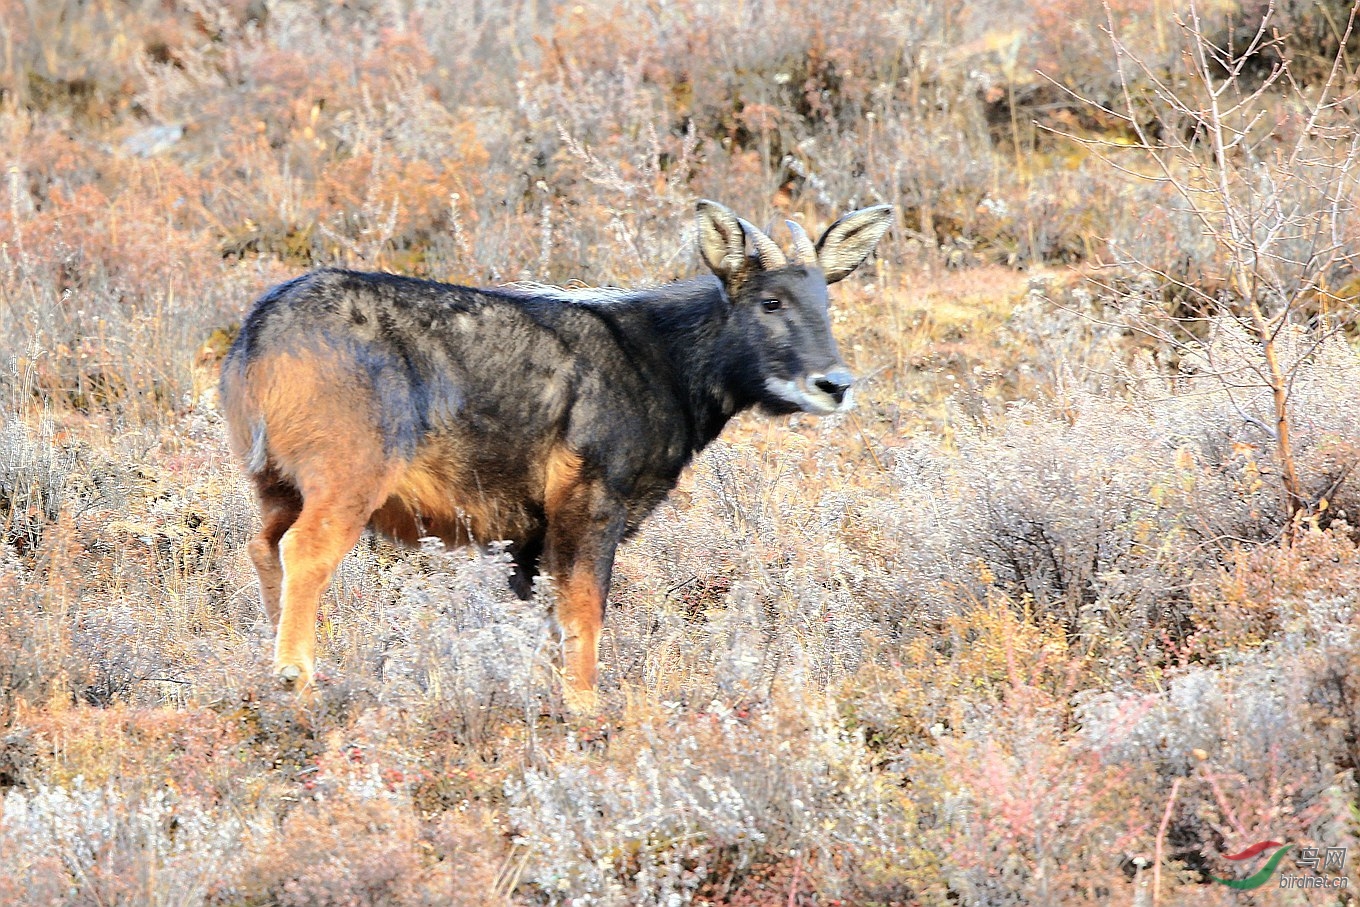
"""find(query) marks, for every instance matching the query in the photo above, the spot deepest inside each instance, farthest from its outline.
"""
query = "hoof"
(290, 676)
(581, 702)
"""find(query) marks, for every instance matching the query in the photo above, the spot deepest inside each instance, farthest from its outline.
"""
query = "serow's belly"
(458, 519)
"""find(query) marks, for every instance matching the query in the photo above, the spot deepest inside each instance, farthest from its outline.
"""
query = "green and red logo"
(1261, 876)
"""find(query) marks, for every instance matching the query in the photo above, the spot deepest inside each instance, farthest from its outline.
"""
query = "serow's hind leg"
(280, 505)
(525, 558)
(330, 524)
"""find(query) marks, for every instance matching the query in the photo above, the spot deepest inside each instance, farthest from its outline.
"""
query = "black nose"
(834, 384)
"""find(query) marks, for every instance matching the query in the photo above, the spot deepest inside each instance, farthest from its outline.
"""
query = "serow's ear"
(722, 242)
(848, 241)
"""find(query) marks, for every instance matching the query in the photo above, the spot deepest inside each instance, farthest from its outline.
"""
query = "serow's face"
(784, 315)
(781, 306)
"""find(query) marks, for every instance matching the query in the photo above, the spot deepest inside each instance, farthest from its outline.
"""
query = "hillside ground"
(1036, 623)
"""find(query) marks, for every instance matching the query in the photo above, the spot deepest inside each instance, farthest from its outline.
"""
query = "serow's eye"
(771, 305)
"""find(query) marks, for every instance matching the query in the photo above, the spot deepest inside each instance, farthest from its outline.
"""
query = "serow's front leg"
(585, 526)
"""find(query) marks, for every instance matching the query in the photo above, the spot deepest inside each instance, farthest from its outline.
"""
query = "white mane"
(567, 294)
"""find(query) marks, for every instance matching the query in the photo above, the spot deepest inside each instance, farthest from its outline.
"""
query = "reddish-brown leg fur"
(580, 616)
(584, 528)
(333, 517)
(279, 509)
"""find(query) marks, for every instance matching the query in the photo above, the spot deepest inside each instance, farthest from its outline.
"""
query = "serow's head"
(780, 305)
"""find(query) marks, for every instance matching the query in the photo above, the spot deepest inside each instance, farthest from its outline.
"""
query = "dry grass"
(1018, 624)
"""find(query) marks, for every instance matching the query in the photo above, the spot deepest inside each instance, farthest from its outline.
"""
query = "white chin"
(812, 401)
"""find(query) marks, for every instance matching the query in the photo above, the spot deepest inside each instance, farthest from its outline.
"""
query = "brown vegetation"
(1041, 622)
